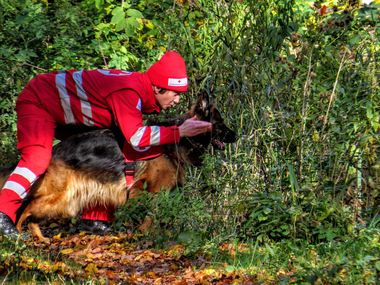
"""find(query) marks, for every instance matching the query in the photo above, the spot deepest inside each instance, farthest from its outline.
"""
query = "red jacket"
(104, 98)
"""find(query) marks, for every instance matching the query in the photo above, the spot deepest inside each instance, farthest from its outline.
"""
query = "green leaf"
(267, 211)
(270, 250)
(108, 8)
(368, 258)
(355, 40)
(20, 56)
(262, 218)
(31, 53)
(330, 236)
(321, 88)
(325, 214)
(369, 110)
(40, 34)
(129, 29)
(293, 179)
(120, 25)
(118, 14)
(134, 13)
(192, 15)
(377, 265)
(117, 10)
(99, 3)
(186, 237)
(153, 32)
(123, 50)
(133, 22)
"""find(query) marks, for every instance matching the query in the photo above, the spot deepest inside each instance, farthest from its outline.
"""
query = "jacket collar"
(150, 104)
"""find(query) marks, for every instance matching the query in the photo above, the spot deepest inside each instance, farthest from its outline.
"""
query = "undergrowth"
(298, 81)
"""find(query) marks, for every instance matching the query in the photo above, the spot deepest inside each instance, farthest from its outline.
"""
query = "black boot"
(8, 229)
(93, 227)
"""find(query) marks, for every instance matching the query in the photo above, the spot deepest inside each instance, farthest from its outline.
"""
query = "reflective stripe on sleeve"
(85, 105)
(139, 105)
(60, 82)
(136, 138)
(26, 173)
(17, 188)
(155, 135)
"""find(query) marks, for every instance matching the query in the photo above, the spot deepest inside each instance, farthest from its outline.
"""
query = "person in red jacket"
(96, 98)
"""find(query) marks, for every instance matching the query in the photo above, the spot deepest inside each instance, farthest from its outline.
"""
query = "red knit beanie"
(169, 72)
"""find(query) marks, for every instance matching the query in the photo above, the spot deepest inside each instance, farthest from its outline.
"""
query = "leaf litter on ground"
(124, 259)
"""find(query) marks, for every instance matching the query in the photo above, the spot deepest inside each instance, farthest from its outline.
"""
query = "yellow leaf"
(91, 268)
(90, 255)
(57, 236)
(281, 272)
(53, 225)
(315, 136)
(67, 251)
(163, 49)
(173, 267)
(150, 274)
(209, 271)
(149, 24)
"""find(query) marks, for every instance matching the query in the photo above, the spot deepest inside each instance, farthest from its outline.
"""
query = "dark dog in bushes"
(89, 168)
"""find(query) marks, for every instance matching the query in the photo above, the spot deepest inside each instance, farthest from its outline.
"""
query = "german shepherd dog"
(89, 169)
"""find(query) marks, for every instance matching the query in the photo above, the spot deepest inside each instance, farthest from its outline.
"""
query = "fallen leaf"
(90, 255)
(67, 251)
(57, 237)
(91, 267)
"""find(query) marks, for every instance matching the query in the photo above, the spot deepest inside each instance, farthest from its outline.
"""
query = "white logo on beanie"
(177, 81)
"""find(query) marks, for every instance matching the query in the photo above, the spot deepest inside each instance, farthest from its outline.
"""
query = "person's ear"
(156, 89)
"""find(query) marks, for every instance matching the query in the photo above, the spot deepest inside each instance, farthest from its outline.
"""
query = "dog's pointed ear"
(203, 102)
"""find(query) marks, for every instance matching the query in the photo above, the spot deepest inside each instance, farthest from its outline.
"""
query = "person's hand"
(192, 127)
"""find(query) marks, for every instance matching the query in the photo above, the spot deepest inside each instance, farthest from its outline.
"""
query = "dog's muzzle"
(218, 144)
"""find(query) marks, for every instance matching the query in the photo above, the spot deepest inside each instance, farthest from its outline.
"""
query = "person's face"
(167, 99)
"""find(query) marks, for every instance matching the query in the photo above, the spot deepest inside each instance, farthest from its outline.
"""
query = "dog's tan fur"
(163, 172)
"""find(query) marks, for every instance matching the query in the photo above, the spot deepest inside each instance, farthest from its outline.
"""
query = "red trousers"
(35, 134)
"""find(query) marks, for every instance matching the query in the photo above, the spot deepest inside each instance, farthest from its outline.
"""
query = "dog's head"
(191, 149)
(220, 134)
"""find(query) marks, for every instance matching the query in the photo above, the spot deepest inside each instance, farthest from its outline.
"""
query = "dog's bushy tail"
(5, 172)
